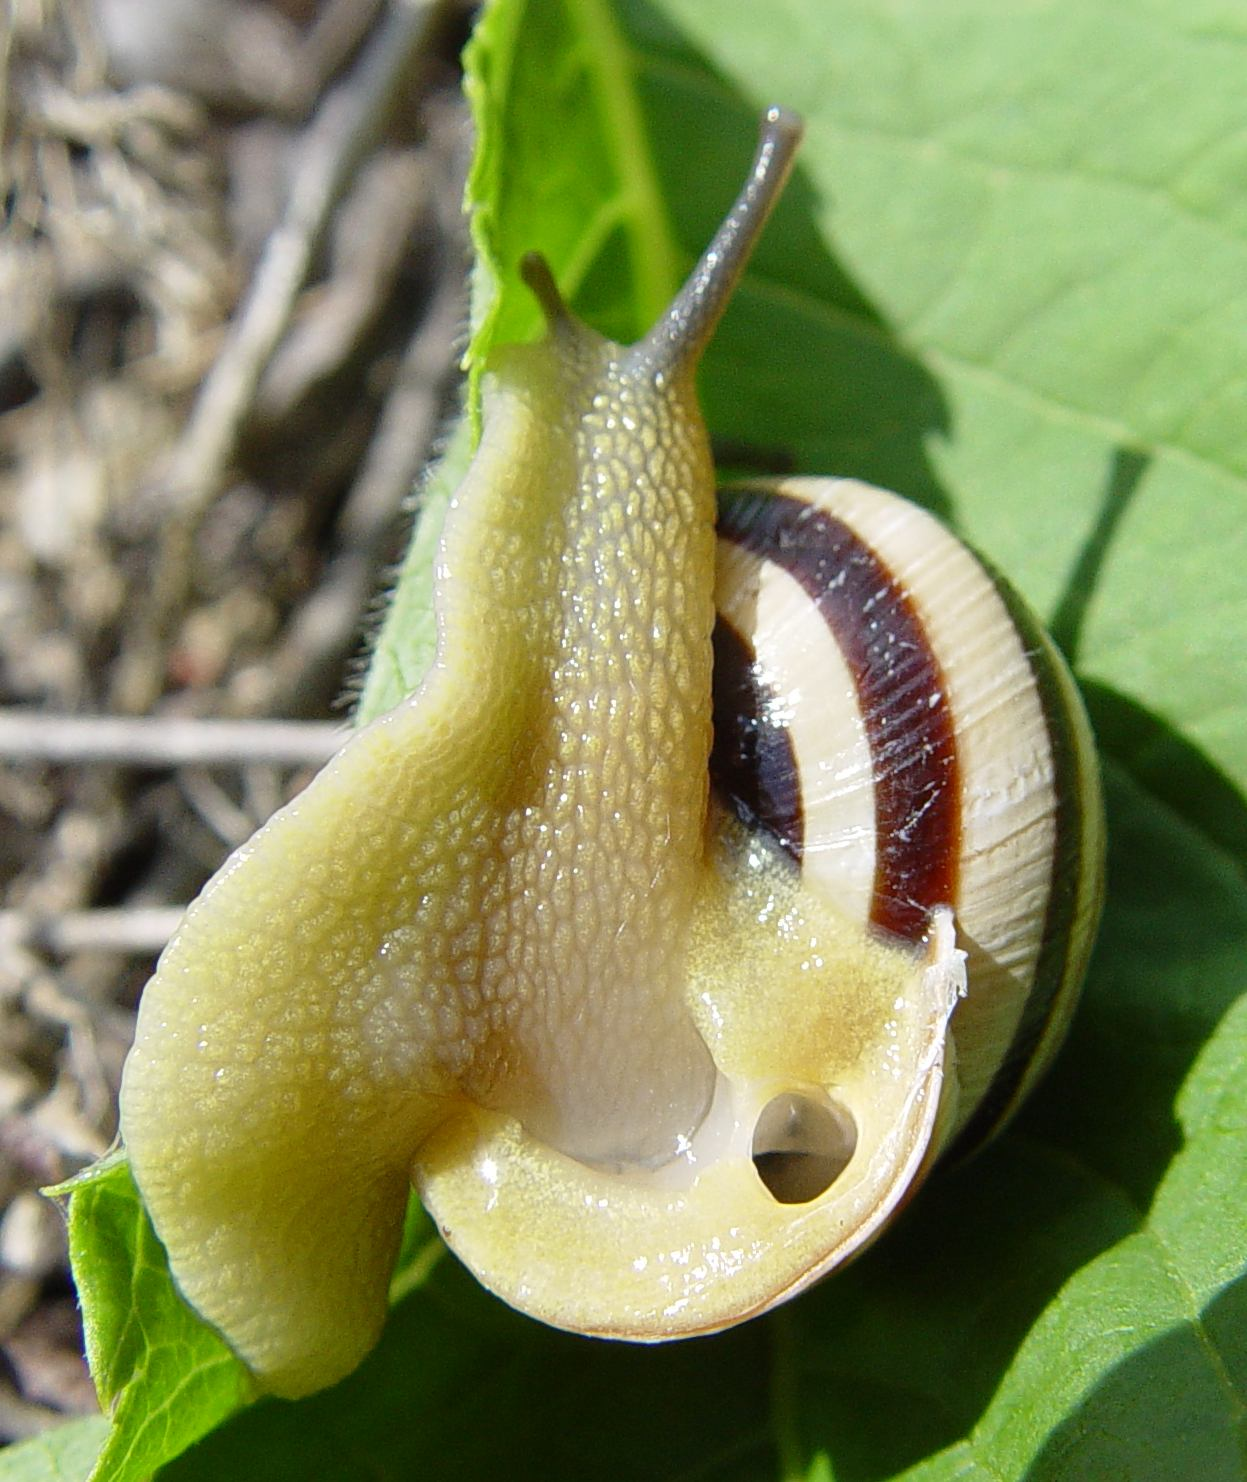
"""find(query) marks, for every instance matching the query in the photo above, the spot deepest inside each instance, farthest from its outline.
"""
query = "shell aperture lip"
(807, 1012)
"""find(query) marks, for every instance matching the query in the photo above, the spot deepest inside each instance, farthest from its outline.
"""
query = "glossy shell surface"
(888, 710)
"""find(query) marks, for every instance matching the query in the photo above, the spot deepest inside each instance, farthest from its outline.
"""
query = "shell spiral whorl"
(892, 715)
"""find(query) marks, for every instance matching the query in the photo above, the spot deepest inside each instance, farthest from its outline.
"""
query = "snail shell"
(656, 1056)
(889, 712)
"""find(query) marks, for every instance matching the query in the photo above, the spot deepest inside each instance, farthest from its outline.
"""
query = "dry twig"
(138, 930)
(164, 741)
(345, 125)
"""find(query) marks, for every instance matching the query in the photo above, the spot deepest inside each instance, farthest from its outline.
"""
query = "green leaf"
(407, 638)
(65, 1454)
(1069, 1305)
(461, 1388)
(587, 195)
(163, 1376)
(1007, 280)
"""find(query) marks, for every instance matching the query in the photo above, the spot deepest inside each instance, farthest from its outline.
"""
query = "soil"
(231, 301)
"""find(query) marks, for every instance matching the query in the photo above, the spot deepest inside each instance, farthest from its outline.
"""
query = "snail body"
(656, 1055)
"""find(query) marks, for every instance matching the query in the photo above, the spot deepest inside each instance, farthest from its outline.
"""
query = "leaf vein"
(1111, 429)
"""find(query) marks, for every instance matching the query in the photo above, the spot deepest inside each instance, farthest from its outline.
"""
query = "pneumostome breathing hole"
(802, 1143)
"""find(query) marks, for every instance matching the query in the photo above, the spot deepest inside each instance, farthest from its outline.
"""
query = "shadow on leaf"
(1174, 1408)
(1125, 475)
(900, 1356)
(1164, 763)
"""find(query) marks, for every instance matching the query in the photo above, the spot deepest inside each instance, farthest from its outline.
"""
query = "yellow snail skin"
(661, 1033)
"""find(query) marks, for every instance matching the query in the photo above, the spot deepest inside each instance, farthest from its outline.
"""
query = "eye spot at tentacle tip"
(802, 1143)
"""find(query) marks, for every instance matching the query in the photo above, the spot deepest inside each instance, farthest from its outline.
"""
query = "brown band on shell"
(753, 768)
(901, 690)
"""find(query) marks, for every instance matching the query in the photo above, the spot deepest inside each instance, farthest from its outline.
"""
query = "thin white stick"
(165, 741)
(133, 930)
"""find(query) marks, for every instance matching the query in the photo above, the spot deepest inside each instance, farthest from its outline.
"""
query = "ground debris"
(230, 269)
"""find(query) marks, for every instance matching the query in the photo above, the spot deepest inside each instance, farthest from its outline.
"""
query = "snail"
(656, 1054)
